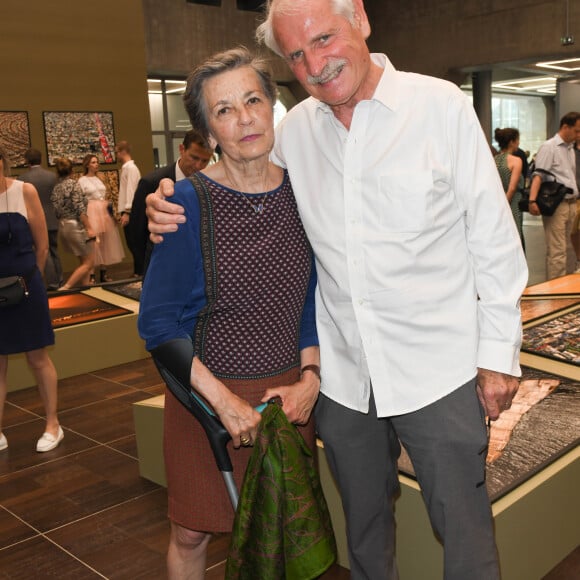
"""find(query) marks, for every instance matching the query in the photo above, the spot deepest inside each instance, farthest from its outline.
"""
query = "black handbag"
(549, 197)
(12, 290)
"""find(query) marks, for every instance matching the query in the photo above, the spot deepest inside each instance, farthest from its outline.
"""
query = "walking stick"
(177, 354)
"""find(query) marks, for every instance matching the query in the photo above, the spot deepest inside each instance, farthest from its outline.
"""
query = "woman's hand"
(298, 399)
(239, 418)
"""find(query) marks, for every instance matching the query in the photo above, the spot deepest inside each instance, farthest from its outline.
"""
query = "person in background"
(236, 285)
(44, 180)
(108, 246)
(194, 155)
(557, 156)
(130, 176)
(70, 204)
(576, 225)
(26, 327)
(523, 155)
(420, 275)
(510, 169)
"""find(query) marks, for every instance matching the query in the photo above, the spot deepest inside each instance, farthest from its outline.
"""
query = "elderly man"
(420, 272)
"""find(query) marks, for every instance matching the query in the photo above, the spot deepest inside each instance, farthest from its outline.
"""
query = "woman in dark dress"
(509, 167)
(26, 327)
(236, 282)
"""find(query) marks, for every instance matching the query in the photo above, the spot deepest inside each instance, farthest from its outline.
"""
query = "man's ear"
(361, 19)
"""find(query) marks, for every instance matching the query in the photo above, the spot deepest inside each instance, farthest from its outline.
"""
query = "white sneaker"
(3, 442)
(49, 442)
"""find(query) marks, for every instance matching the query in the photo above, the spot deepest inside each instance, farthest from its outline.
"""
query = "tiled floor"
(82, 510)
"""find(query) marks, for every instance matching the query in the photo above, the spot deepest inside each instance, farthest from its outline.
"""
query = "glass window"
(159, 150)
(156, 111)
(525, 113)
(178, 118)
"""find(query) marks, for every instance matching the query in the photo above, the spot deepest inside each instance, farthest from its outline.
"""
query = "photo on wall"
(73, 134)
(15, 135)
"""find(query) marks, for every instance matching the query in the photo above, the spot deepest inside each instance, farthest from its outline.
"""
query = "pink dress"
(109, 248)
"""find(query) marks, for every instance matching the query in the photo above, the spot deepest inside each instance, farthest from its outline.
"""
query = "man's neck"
(365, 92)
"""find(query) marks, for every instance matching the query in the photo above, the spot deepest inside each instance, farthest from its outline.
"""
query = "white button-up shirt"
(130, 176)
(409, 224)
(558, 157)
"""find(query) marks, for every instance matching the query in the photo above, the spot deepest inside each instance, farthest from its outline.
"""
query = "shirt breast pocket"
(404, 200)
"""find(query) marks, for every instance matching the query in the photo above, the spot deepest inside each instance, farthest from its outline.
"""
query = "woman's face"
(240, 115)
(93, 165)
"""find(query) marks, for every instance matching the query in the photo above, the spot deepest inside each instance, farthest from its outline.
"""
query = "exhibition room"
(411, 275)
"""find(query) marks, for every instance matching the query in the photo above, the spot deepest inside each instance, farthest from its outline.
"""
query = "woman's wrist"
(312, 368)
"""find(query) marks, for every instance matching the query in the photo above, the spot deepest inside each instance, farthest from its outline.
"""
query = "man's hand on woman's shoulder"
(163, 216)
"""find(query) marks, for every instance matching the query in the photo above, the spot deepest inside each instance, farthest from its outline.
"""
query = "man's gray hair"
(265, 32)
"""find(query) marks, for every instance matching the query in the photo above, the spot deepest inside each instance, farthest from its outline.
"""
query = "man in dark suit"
(194, 155)
(44, 181)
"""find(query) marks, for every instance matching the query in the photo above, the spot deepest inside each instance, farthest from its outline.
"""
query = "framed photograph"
(15, 135)
(555, 337)
(541, 426)
(535, 308)
(73, 134)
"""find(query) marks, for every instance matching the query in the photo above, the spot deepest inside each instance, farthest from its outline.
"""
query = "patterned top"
(242, 282)
(503, 169)
(68, 200)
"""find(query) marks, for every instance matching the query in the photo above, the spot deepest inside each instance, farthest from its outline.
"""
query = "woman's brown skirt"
(198, 498)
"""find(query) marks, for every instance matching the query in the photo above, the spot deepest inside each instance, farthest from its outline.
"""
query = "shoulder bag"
(12, 290)
(549, 197)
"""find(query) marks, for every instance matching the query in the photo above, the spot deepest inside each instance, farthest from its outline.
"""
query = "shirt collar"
(179, 175)
(387, 91)
(560, 141)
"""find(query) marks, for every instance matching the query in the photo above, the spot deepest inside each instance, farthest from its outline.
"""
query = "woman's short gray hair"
(228, 60)
(265, 32)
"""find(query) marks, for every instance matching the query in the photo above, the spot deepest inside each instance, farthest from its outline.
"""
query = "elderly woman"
(237, 280)
(70, 205)
(26, 326)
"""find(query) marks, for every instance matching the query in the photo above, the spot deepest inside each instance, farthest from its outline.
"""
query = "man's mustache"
(329, 72)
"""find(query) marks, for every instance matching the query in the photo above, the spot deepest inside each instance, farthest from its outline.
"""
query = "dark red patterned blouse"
(257, 268)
